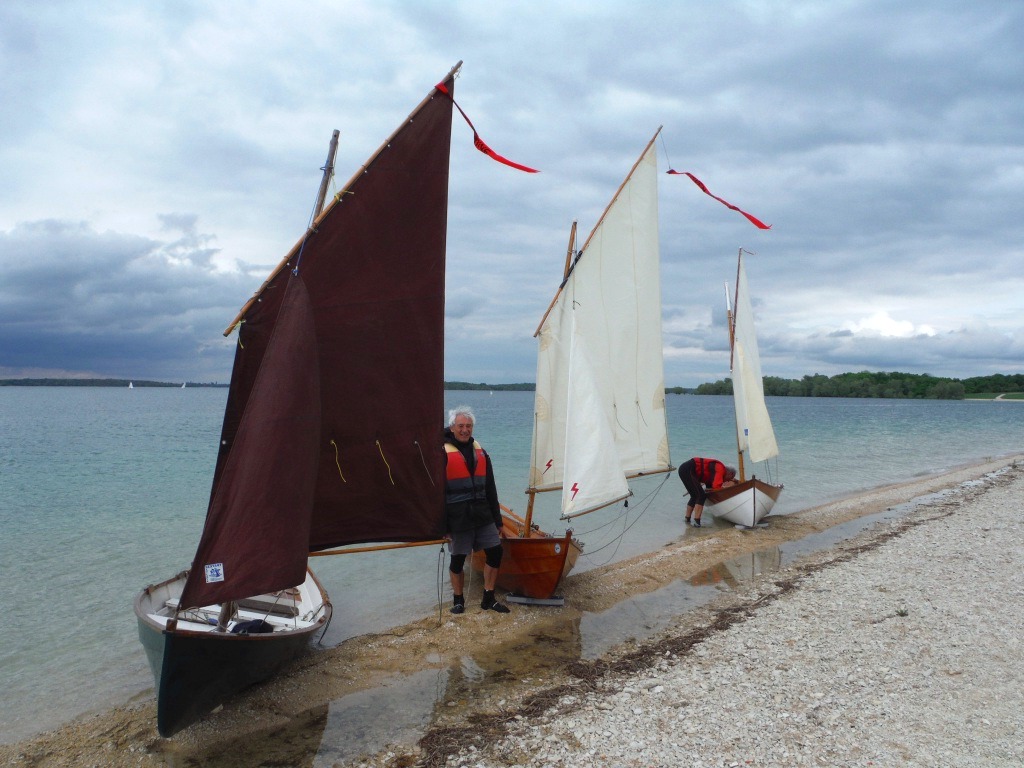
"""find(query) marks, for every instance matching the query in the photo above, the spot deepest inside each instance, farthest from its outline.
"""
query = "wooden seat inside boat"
(279, 605)
(283, 604)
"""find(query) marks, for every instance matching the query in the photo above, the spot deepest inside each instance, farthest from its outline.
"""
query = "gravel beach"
(900, 646)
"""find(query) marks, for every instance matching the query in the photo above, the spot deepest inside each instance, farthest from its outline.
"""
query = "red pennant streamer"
(478, 142)
(753, 220)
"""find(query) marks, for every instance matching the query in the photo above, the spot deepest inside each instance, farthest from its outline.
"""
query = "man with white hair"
(473, 513)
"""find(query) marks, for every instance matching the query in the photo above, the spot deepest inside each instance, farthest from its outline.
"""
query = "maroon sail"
(373, 267)
(257, 526)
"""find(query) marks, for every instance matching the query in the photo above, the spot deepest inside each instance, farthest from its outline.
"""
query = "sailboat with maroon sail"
(599, 410)
(309, 460)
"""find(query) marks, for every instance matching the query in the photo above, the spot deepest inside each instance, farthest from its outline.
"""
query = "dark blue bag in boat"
(253, 627)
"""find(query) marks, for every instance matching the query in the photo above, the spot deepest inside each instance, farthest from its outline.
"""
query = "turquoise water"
(104, 491)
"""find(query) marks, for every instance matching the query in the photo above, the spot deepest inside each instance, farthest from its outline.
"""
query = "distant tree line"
(496, 387)
(863, 384)
(99, 383)
(878, 384)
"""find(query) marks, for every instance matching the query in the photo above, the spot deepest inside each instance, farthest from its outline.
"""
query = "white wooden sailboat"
(748, 502)
(599, 413)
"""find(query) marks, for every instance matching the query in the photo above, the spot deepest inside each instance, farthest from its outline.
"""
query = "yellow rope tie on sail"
(336, 462)
(238, 327)
(338, 196)
(385, 462)
(424, 460)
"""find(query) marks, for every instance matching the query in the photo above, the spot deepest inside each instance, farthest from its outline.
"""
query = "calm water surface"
(105, 490)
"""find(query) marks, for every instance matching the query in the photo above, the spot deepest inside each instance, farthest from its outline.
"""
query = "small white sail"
(599, 362)
(753, 425)
(593, 476)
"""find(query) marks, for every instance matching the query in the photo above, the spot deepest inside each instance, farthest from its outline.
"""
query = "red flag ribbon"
(477, 141)
(753, 220)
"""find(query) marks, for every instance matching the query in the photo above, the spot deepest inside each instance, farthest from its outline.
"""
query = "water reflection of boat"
(737, 571)
(415, 702)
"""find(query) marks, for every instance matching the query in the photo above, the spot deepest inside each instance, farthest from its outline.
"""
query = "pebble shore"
(902, 648)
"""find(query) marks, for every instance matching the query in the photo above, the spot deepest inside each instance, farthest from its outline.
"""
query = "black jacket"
(482, 508)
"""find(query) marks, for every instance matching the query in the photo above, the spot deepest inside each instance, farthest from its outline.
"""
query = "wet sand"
(491, 667)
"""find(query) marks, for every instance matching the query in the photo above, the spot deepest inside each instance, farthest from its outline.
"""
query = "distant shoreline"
(125, 383)
(451, 386)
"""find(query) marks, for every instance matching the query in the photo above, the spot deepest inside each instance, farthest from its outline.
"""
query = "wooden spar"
(565, 275)
(528, 521)
(362, 169)
(568, 253)
(328, 170)
(377, 548)
(619, 190)
(739, 451)
(599, 222)
(615, 501)
(731, 323)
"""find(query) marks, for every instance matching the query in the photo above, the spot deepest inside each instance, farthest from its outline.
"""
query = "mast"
(298, 246)
(328, 170)
(532, 490)
(730, 324)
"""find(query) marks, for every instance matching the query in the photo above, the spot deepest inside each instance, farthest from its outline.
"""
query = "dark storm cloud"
(883, 141)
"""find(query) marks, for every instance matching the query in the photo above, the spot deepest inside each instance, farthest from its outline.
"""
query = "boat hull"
(532, 566)
(197, 668)
(745, 504)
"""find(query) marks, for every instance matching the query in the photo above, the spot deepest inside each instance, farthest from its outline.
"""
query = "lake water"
(104, 490)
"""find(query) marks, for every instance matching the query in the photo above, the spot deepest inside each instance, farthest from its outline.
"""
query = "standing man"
(698, 473)
(473, 514)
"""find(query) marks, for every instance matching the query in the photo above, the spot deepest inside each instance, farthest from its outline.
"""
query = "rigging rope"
(336, 462)
(644, 505)
(424, 460)
(381, 449)
(440, 586)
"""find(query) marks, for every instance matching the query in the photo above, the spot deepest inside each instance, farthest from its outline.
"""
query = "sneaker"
(496, 607)
(459, 608)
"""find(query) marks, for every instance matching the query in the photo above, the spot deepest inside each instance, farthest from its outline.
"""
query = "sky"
(158, 159)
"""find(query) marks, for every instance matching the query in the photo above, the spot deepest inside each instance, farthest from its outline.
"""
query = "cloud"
(159, 161)
(74, 299)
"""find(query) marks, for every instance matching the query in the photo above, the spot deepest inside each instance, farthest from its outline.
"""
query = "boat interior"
(289, 609)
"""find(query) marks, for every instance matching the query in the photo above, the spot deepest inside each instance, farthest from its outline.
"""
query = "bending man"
(698, 473)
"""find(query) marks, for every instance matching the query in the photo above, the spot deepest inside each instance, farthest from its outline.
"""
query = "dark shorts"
(465, 542)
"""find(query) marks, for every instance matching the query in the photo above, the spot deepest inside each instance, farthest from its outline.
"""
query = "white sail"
(600, 400)
(593, 477)
(753, 425)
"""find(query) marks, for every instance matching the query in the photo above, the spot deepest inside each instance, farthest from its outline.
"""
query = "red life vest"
(461, 486)
(710, 472)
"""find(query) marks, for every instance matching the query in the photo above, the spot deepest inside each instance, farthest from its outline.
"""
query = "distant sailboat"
(183, 385)
(131, 385)
(748, 502)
